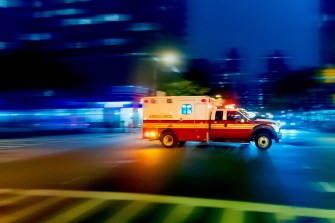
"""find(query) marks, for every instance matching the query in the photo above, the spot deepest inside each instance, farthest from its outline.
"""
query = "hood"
(265, 121)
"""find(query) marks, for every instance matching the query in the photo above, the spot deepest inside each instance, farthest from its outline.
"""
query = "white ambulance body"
(186, 116)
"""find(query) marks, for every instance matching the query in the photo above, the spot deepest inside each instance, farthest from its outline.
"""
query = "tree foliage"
(184, 87)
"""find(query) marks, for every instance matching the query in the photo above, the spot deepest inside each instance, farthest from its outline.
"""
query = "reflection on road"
(295, 172)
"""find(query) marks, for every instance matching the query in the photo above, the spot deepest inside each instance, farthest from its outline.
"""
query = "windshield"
(245, 113)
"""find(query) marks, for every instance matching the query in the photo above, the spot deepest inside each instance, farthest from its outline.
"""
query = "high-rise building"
(327, 32)
(98, 33)
(226, 78)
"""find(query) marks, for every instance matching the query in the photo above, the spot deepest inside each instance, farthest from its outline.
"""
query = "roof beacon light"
(230, 106)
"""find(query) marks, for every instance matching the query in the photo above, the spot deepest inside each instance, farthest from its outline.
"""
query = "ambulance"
(174, 120)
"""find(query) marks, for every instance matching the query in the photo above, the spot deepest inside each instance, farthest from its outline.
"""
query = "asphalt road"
(298, 171)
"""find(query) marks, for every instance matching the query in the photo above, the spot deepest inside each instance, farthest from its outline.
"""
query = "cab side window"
(233, 115)
(218, 115)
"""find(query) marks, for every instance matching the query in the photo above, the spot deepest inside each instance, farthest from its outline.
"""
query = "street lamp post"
(168, 58)
(154, 78)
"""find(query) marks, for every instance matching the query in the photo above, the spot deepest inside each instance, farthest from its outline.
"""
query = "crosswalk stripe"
(167, 208)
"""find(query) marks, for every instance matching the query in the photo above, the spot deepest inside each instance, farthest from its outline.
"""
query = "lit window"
(89, 20)
(69, 11)
(36, 36)
(111, 18)
(144, 27)
(60, 12)
(73, 22)
(113, 41)
(186, 109)
(10, 3)
(85, 21)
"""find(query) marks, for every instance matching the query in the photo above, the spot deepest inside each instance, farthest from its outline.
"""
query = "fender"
(164, 131)
(265, 128)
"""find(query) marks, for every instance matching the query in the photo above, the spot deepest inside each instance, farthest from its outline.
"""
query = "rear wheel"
(263, 141)
(169, 140)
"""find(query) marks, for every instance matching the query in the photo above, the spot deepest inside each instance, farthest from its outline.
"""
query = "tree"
(184, 87)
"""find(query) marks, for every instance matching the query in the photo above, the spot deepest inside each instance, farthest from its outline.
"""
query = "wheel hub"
(263, 142)
(168, 140)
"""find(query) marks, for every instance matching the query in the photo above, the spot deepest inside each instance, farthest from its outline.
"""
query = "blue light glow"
(119, 104)
(59, 12)
(37, 36)
(144, 27)
(96, 19)
(3, 45)
(112, 41)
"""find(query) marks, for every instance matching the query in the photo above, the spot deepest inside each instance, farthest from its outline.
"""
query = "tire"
(263, 141)
(169, 140)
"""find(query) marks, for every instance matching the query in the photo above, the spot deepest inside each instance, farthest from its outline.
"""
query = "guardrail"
(60, 206)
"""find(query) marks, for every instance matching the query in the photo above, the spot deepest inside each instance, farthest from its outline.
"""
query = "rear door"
(185, 123)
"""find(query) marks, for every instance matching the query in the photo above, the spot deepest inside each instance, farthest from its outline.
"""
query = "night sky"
(256, 28)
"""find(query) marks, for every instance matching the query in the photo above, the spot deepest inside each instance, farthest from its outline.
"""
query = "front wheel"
(169, 140)
(263, 141)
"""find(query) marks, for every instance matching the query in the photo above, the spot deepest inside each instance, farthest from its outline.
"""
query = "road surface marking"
(31, 210)
(127, 213)
(231, 215)
(181, 207)
(179, 213)
(328, 187)
(78, 212)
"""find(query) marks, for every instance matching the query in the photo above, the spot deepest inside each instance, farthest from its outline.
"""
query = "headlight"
(150, 134)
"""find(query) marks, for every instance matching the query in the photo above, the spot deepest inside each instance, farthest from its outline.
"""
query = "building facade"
(327, 32)
(91, 35)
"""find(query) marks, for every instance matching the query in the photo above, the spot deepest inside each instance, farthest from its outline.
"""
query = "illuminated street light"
(169, 58)
(166, 58)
